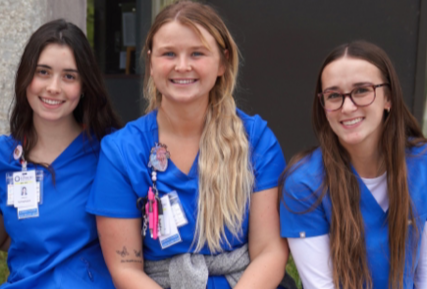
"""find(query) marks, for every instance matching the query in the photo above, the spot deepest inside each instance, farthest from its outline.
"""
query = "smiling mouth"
(353, 121)
(183, 81)
(50, 101)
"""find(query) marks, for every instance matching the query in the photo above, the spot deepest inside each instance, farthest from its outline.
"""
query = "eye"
(42, 72)
(197, 53)
(69, 77)
(332, 95)
(169, 54)
(362, 90)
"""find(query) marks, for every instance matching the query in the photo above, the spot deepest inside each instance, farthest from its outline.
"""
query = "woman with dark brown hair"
(60, 113)
(354, 210)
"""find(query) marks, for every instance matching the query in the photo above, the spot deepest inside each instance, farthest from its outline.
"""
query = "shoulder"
(137, 133)
(7, 145)
(256, 128)
(306, 173)
(418, 151)
(252, 123)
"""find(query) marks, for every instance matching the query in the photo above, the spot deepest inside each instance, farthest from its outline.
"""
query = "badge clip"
(159, 156)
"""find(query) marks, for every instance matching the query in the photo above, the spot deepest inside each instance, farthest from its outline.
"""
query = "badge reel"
(24, 188)
(157, 213)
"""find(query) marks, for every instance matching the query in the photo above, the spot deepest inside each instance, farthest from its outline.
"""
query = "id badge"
(25, 192)
(177, 209)
(171, 236)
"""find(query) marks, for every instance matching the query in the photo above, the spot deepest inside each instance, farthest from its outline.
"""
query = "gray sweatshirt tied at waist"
(191, 271)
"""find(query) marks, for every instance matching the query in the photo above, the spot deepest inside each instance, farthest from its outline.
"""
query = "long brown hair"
(94, 111)
(225, 173)
(400, 131)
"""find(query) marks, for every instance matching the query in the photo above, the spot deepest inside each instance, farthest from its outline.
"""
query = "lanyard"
(151, 205)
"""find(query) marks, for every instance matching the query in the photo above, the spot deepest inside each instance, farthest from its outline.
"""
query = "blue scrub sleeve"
(267, 157)
(112, 194)
(300, 217)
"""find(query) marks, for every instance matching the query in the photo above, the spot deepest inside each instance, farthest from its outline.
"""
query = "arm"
(121, 243)
(421, 271)
(311, 256)
(267, 250)
(4, 237)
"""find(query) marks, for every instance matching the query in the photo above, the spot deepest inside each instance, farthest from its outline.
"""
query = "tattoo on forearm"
(138, 253)
(123, 253)
(131, 261)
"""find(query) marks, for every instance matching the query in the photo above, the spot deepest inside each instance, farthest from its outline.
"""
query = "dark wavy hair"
(400, 131)
(94, 111)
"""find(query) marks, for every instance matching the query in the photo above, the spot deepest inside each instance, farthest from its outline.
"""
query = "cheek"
(74, 91)
(34, 87)
(332, 120)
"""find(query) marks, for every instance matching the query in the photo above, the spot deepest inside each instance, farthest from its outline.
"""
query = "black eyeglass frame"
(344, 95)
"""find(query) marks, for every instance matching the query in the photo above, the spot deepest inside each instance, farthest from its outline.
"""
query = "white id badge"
(24, 189)
(25, 192)
(171, 235)
(11, 188)
(177, 210)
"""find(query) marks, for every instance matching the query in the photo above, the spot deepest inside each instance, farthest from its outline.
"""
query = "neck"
(369, 163)
(182, 121)
(55, 136)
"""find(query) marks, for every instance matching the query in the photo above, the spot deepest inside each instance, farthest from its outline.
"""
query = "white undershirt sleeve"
(421, 271)
(311, 256)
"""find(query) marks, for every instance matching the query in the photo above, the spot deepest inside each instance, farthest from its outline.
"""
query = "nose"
(348, 105)
(53, 86)
(183, 64)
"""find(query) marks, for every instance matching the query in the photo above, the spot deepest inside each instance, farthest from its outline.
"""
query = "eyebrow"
(191, 48)
(67, 69)
(357, 84)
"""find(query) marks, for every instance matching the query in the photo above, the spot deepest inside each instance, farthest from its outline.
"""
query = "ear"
(151, 67)
(387, 103)
(222, 65)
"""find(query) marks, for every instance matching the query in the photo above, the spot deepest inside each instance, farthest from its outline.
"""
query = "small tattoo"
(123, 253)
(138, 253)
(131, 261)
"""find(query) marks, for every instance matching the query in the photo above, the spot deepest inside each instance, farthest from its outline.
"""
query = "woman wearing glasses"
(354, 210)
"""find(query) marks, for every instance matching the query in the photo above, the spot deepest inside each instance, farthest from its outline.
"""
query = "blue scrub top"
(60, 248)
(301, 190)
(123, 176)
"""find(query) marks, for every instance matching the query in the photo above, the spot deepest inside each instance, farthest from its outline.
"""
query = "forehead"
(347, 71)
(57, 54)
(177, 34)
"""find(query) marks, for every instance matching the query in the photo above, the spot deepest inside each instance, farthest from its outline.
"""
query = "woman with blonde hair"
(196, 174)
(355, 209)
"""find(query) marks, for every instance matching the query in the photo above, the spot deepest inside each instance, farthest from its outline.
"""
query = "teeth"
(182, 81)
(353, 121)
(51, 102)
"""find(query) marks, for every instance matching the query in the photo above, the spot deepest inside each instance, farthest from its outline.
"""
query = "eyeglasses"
(361, 96)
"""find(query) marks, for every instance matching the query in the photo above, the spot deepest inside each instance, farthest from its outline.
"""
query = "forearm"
(131, 278)
(4, 237)
(121, 245)
(6, 244)
(267, 269)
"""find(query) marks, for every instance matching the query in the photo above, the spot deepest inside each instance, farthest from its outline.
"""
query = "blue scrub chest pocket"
(25, 192)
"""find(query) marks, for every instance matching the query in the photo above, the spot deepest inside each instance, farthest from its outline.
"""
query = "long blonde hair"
(225, 173)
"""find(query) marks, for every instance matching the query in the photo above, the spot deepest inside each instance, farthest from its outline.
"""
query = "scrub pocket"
(85, 270)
